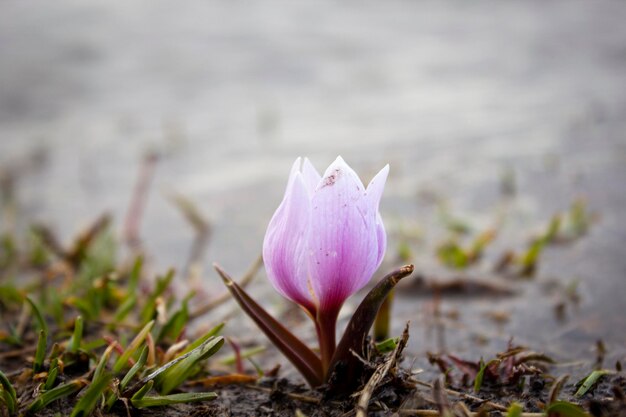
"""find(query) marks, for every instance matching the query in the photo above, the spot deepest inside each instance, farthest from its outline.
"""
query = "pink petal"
(376, 187)
(373, 194)
(311, 177)
(343, 244)
(381, 236)
(284, 246)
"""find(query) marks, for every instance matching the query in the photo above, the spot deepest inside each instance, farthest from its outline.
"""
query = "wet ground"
(461, 99)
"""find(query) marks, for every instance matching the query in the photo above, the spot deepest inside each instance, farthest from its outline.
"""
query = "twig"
(201, 226)
(247, 278)
(379, 374)
(556, 388)
(138, 200)
(17, 352)
(469, 397)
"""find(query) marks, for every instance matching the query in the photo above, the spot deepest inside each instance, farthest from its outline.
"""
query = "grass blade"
(132, 347)
(135, 275)
(38, 316)
(383, 319)
(387, 345)
(588, 382)
(515, 410)
(565, 409)
(303, 358)
(88, 402)
(143, 391)
(177, 374)
(478, 381)
(156, 373)
(40, 353)
(188, 397)
(54, 394)
(7, 393)
(161, 285)
(125, 308)
(52, 374)
(214, 331)
(74, 343)
(136, 367)
(103, 361)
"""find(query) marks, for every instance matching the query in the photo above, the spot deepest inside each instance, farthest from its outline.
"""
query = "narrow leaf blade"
(132, 347)
(590, 381)
(7, 392)
(565, 409)
(54, 394)
(88, 402)
(303, 358)
(353, 339)
(189, 397)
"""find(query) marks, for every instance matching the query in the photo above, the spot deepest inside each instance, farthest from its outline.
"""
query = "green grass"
(92, 324)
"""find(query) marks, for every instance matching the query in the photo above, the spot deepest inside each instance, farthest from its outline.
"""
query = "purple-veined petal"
(284, 246)
(376, 187)
(295, 168)
(311, 177)
(373, 194)
(382, 239)
(343, 243)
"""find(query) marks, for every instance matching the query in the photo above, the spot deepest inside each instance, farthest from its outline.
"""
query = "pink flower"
(325, 241)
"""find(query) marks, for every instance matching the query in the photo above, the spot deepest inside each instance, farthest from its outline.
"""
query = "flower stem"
(325, 325)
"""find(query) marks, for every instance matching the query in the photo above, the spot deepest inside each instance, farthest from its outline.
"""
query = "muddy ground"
(493, 118)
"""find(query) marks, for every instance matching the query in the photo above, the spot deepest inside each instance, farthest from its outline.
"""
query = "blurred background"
(493, 116)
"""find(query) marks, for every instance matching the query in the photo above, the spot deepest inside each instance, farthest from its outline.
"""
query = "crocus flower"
(325, 241)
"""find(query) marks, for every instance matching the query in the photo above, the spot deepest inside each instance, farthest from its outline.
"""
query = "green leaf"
(143, 390)
(52, 374)
(136, 368)
(565, 409)
(383, 319)
(10, 294)
(188, 397)
(94, 344)
(176, 323)
(132, 347)
(303, 358)
(161, 285)
(113, 396)
(7, 393)
(207, 348)
(125, 308)
(590, 380)
(553, 229)
(353, 340)
(478, 381)
(214, 331)
(177, 374)
(135, 275)
(88, 402)
(40, 353)
(100, 368)
(515, 410)
(452, 255)
(77, 337)
(38, 316)
(54, 394)
(387, 345)
(531, 256)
